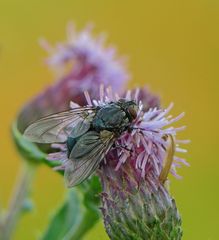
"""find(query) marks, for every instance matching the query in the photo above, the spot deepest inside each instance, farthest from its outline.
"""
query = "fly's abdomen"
(70, 144)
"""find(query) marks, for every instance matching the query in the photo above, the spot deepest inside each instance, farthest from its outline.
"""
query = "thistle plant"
(135, 202)
(129, 185)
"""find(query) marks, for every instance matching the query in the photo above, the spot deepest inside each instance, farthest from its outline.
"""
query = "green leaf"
(28, 150)
(68, 216)
(78, 214)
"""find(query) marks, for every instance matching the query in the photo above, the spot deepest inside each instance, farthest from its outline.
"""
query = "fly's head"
(130, 108)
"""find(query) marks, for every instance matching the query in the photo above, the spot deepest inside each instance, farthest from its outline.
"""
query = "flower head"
(146, 146)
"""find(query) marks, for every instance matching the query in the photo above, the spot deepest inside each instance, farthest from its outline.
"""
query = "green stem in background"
(18, 199)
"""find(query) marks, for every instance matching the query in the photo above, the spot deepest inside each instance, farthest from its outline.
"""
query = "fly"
(89, 133)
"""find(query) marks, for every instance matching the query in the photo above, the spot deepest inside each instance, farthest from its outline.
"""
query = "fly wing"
(57, 127)
(86, 156)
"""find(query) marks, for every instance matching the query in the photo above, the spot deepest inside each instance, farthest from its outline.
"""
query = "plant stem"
(17, 201)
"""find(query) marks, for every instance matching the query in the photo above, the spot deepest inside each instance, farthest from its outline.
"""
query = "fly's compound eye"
(132, 110)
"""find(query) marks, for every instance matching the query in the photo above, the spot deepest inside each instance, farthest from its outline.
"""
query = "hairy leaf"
(78, 214)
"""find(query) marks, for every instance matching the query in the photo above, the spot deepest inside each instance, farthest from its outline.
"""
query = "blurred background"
(173, 47)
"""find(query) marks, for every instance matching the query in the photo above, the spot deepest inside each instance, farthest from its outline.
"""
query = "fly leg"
(124, 147)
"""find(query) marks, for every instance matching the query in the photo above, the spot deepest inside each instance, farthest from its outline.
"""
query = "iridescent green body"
(114, 117)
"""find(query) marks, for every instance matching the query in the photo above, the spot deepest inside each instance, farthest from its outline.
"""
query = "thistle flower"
(135, 202)
(147, 143)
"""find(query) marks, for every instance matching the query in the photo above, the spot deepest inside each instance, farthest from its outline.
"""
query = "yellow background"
(173, 47)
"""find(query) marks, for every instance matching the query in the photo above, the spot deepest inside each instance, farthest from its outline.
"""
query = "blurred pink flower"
(86, 61)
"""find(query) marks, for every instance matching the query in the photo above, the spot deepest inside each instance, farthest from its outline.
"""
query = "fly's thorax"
(111, 117)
